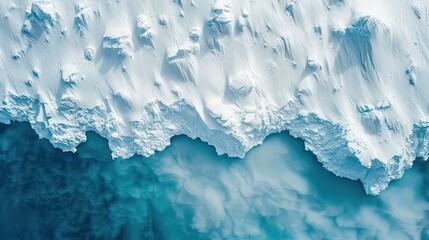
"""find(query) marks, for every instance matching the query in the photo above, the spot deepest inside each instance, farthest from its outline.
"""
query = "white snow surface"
(346, 76)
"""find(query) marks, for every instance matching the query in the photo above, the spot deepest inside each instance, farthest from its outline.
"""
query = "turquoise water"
(279, 191)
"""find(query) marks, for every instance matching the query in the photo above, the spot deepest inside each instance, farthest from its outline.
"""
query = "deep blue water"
(279, 191)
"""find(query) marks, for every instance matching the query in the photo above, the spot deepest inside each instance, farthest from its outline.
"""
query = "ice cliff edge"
(348, 77)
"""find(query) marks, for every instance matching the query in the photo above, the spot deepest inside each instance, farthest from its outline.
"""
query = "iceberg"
(344, 76)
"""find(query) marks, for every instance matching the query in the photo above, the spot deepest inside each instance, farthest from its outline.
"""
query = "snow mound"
(242, 84)
(345, 76)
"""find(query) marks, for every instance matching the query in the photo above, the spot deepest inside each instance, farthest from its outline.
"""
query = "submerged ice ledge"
(344, 77)
(278, 191)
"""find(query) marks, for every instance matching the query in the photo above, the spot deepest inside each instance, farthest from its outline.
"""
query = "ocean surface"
(279, 191)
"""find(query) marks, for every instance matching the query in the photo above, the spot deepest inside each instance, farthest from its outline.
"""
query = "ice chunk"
(290, 9)
(70, 74)
(220, 15)
(174, 53)
(44, 13)
(181, 60)
(29, 82)
(163, 20)
(179, 2)
(337, 32)
(89, 53)
(68, 104)
(36, 72)
(364, 26)
(195, 33)
(144, 29)
(411, 72)
(143, 23)
(363, 108)
(382, 104)
(118, 42)
(241, 23)
(82, 17)
(313, 64)
(18, 54)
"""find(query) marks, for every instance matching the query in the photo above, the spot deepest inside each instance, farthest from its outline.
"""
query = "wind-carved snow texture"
(345, 76)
